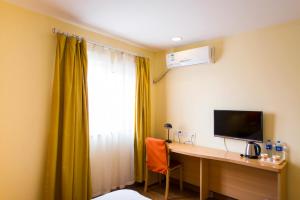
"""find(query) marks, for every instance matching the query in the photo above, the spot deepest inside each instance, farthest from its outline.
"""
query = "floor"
(156, 192)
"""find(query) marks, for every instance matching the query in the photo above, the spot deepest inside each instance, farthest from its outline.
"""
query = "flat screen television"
(242, 125)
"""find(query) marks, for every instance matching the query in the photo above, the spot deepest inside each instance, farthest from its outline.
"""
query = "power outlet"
(184, 137)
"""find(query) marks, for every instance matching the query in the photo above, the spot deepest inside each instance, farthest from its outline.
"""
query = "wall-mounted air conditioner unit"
(201, 55)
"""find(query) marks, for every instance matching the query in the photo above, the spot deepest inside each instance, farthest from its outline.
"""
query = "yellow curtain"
(68, 164)
(142, 115)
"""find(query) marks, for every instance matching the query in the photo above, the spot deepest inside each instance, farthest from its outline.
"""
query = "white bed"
(122, 195)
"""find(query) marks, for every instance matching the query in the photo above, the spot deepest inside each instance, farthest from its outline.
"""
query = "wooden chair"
(158, 161)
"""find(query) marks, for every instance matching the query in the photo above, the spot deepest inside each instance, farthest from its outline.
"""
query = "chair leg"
(159, 179)
(181, 178)
(167, 184)
(146, 180)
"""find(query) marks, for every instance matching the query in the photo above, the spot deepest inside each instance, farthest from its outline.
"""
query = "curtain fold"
(68, 164)
(142, 115)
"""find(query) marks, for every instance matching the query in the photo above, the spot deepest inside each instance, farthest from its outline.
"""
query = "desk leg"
(203, 179)
(281, 185)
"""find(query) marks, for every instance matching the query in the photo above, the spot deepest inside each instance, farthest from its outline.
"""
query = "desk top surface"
(221, 155)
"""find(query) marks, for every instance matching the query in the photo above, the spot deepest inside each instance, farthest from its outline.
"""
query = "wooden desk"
(229, 174)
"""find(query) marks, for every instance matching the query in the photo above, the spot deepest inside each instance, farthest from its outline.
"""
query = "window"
(111, 87)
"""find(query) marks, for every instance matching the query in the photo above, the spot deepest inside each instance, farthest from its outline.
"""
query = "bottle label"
(278, 148)
(268, 146)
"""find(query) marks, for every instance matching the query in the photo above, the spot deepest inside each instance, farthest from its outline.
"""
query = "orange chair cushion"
(157, 158)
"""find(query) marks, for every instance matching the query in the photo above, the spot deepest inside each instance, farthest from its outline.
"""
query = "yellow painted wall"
(258, 70)
(27, 52)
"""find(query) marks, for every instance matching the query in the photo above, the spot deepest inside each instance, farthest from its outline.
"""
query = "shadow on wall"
(158, 115)
(218, 50)
(269, 126)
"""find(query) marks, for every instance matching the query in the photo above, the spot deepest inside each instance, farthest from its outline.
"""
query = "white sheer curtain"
(111, 87)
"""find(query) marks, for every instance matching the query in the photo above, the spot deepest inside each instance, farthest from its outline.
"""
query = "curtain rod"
(55, 30)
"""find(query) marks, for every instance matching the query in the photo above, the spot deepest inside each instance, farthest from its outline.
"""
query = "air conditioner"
(201, 55)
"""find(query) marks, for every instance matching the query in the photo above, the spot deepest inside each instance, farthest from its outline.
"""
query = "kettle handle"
(258, 148)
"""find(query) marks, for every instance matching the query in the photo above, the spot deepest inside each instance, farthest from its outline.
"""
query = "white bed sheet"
(124, 194)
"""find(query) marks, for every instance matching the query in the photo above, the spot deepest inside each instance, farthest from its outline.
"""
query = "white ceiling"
(153, 23)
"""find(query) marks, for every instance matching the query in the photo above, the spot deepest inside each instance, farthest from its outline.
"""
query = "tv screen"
(243, 125)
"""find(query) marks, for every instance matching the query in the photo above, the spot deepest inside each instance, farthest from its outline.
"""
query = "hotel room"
(138, 100)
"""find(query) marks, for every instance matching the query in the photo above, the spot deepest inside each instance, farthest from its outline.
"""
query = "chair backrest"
(157, 155)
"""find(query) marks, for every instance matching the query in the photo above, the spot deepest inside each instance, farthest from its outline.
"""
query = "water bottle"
(279, 149)
(269, 147)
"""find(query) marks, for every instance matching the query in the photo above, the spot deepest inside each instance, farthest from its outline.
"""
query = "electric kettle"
(253, 150)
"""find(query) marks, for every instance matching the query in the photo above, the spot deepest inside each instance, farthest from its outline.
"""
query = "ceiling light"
(176, 39)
